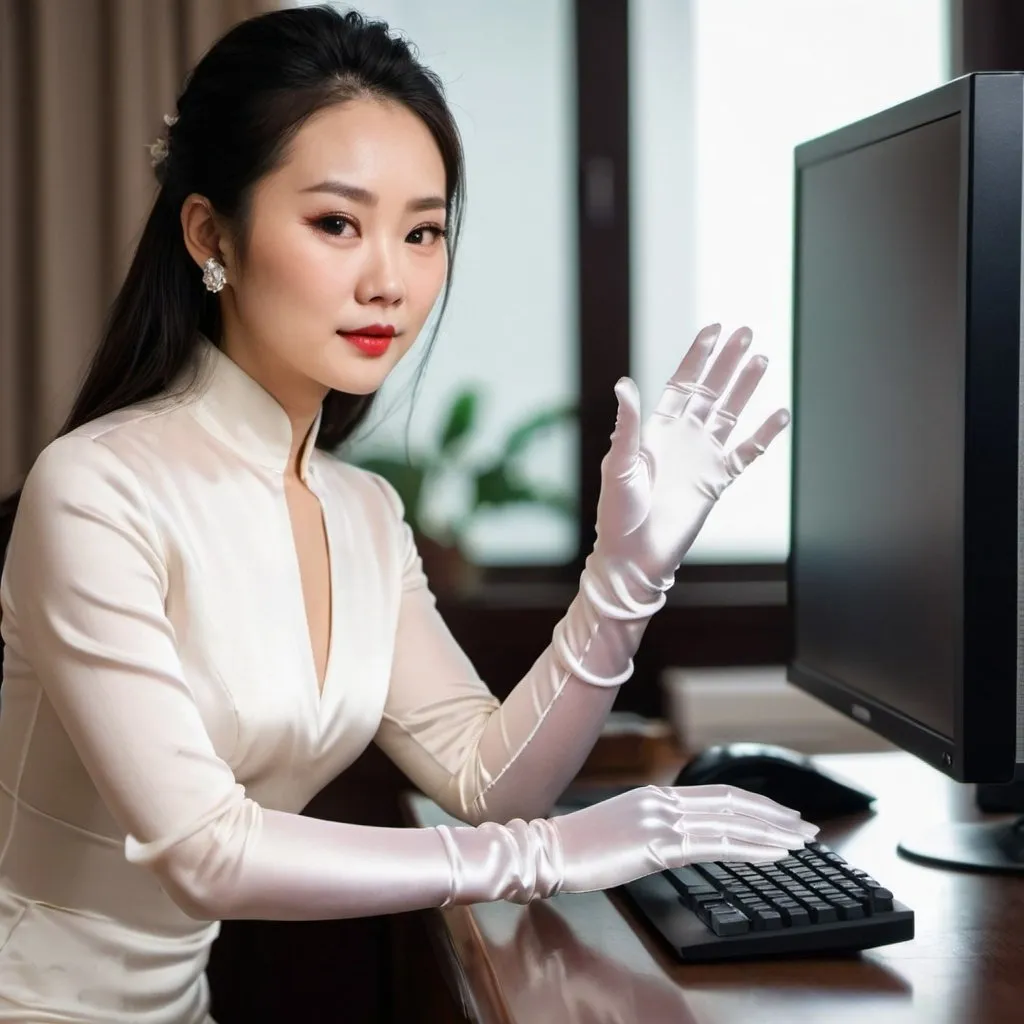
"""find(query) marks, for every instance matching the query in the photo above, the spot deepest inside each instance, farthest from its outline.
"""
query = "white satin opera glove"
(251, 862)
(659, 481)
(618, 840)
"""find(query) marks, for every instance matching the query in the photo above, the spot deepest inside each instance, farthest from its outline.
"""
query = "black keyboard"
(811, 902)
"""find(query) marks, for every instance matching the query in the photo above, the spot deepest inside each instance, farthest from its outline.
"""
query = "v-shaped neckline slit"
(319, 687)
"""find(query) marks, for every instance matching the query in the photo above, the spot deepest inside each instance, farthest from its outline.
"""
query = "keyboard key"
(881, 899)
(746, 901)
(729, 922)
(793, 914)
(705, 910)
(701, 899)
(712, 870)
(821, 912)
(692, 885)
(849, 910)
(766, 919)
(871, 886)
(702, 892)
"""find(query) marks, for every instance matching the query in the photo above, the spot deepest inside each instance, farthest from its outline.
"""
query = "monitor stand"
(972, 845)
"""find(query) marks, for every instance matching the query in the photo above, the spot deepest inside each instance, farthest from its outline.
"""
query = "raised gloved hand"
(661, 478)
(618, 840)
(659, 481)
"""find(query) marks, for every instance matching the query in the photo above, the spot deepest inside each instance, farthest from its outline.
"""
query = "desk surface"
(583, 957)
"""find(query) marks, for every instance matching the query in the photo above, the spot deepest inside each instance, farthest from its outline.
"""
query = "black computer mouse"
(781, 774)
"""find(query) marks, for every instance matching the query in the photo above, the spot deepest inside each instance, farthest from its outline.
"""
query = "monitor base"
(972, 845)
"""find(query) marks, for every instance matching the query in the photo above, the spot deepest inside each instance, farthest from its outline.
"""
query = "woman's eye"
(335, 225)
(429, 234)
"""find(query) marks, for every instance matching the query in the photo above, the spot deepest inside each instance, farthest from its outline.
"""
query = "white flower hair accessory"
(161, 148)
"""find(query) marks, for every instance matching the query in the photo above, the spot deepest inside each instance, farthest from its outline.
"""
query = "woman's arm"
(83, 590)
(480, 759)
(488, 761)
(485, 761)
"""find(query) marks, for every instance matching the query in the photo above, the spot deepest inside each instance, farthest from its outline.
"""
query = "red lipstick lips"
(372, 340)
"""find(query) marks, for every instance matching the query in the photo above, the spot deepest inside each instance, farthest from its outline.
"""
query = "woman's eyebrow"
(367, 198)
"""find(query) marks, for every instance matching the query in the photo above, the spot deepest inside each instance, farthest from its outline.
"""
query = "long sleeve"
(84, 588)
(483, 760)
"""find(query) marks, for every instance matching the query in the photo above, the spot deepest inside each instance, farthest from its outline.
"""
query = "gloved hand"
(660, 479)
(618, 840)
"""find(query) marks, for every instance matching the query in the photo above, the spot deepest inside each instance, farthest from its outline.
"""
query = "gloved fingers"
(720, 373)
(744, 454)
(731, 799)
(622, 457)
(707, 825)
(686, 380)
(697, 851)
(724, 416)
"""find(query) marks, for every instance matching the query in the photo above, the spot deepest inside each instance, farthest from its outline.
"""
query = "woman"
(207, 616)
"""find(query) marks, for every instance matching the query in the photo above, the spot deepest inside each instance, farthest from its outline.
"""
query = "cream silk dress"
(161, 725)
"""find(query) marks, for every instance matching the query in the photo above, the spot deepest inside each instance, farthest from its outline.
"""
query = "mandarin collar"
(245, 416)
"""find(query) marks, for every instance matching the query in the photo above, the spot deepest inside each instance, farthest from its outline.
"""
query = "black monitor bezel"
(983, 746)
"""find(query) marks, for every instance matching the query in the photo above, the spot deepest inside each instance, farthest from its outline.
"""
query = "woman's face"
(348, 234)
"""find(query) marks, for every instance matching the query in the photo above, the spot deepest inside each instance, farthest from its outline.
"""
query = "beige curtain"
(83, 87)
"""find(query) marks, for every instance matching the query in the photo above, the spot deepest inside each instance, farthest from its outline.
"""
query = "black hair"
(241, 106)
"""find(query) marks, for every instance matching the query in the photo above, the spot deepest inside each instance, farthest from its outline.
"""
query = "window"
(721, 92)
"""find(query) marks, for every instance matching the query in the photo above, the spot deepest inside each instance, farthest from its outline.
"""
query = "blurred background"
(629, 180)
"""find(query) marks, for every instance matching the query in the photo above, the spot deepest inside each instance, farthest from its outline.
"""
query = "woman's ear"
(203, 233)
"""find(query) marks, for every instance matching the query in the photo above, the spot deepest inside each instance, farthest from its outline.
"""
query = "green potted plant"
(493, 482)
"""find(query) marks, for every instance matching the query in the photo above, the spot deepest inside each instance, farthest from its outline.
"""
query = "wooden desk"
(584, 958)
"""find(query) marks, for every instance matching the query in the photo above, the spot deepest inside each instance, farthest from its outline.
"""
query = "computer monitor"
(907, 547)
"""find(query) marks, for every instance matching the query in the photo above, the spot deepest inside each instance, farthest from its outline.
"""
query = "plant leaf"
(461, 418)
(524, 433)
(495, 486)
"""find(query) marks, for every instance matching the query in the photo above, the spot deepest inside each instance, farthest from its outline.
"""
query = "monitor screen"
(878, 432)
